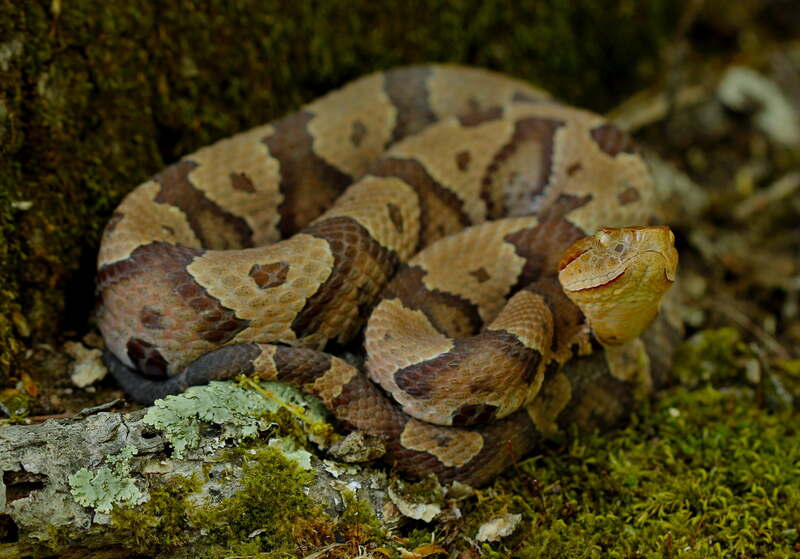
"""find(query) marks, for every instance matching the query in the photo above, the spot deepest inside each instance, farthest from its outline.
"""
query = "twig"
(782, 188)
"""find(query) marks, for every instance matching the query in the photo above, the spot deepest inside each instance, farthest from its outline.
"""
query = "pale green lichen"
(108, 485)
(8, 51)
(291, 451)
(239, 413)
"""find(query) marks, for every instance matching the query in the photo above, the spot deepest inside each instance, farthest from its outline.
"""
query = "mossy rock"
(95, 96)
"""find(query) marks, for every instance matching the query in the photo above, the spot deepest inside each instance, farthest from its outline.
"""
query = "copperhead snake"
(489, 238)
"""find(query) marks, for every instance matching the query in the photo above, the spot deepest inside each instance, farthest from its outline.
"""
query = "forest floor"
(712, 466)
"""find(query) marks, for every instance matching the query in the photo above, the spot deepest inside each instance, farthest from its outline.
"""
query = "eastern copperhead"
(193, 283)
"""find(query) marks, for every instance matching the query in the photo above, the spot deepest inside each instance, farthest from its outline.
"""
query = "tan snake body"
(442, 203)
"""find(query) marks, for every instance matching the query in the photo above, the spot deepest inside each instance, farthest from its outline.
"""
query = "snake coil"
(480, 230)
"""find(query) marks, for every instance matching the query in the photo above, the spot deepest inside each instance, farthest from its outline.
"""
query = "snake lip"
(603, 285)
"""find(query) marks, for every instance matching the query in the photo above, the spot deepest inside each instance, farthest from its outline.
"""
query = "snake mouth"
(603, 285)
(617, 275)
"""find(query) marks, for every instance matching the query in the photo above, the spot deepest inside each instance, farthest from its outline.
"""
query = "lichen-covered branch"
(196, 471)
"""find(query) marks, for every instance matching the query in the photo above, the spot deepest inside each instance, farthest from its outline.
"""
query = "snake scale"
(496, 249)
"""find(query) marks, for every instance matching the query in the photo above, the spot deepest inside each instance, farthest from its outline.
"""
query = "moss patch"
(262, 516)
(270, 517)
(704, 473)
(259, 518)
(713, 356)
(163, 522)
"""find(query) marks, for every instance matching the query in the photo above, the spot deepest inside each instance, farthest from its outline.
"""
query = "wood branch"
(40, 513)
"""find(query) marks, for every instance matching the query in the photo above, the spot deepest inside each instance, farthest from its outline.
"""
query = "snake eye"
(619, 248)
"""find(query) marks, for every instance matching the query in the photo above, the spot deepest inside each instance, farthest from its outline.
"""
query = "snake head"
(618, 277)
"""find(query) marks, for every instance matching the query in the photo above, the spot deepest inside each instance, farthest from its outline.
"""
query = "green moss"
(257, 519)
(271, 516)
(161, 524)
(97, 95)
(702, 474)
(712, 356)
(357, 529)
(721, 358)
(359, 516)
(262, 516)
(16, 405)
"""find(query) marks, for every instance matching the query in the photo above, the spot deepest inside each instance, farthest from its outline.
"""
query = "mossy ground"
(700, 475)
(95, 96)
(271, 517)
(701, 472)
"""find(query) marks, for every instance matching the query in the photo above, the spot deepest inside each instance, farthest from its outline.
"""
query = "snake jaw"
(618, 277)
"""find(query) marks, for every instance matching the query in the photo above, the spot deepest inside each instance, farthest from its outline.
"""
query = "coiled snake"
(438, 205)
